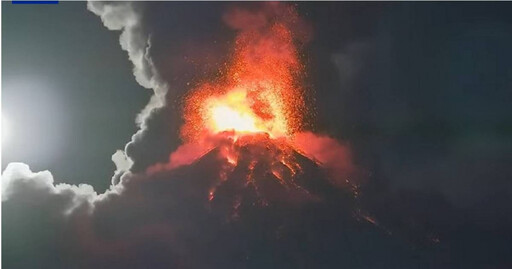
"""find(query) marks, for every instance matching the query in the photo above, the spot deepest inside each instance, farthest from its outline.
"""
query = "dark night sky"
(420, 91)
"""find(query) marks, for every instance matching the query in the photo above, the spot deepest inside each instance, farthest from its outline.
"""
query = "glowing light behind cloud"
(33, 121)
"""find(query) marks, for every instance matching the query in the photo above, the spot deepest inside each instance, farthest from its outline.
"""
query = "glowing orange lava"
(259, 93)
(235, 111)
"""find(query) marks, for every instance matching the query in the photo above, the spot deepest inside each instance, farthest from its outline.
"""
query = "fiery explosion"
(254, 113)
(259, 91)
(257, 101)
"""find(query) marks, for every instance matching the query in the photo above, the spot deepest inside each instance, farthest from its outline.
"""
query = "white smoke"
(126, 17)
(122, 162)
(19, 182)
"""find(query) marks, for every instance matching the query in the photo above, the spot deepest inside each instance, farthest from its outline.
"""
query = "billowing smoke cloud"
(18, 181)
(126, 17)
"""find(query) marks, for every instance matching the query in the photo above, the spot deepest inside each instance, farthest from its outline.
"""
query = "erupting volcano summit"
(260, 89)
(254, 114)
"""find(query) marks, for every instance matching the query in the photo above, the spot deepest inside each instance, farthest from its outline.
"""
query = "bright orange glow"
(236, 112)
(253, 107)
(259, 92)
(227, 118)
(253, 113)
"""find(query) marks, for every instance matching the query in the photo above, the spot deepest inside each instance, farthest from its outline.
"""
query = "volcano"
(257, 170)
(240, 206)
(251, 187)
(251, 120)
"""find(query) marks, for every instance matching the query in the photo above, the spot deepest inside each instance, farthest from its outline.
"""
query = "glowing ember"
(260, 91)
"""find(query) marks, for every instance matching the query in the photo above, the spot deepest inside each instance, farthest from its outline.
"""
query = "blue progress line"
(21, 2)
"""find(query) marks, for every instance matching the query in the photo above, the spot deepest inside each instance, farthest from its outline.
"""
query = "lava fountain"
(254, 113)
(260, 89)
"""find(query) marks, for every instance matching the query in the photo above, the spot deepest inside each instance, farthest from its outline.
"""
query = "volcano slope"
(205, 215)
